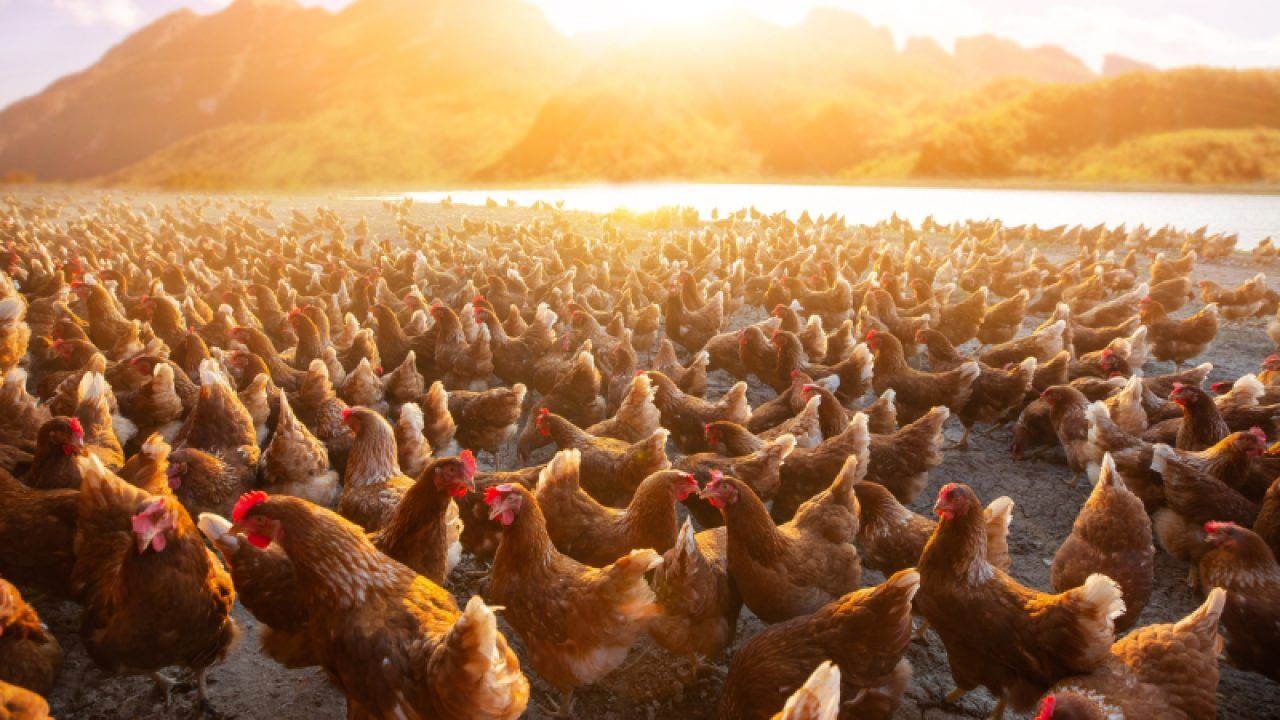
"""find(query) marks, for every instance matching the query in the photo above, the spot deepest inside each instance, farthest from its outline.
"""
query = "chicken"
(1131, 456)
(1172, 293)
(363, 387)
(1067, 407)
(697, 600)
(611, 469)
(59, 442)
(961, 321)
(866, 633)
(1125, 408)
(373, 485)
(220, 425)
(1158, 671)
(202, 482)
(637, 416)
(1194, 498)
(1042, 344)
(1000, 322)
(687, 416)
(424, 529)
(1267, 525)
(412, 450)
(267, 585)
(595, 535)
(438, 425)
(758, 467)
(901, 460)
(30, 656)
(486, 420)
(692, 328)
(436, 662)
(154, 596)
(583, 630)
(1113, 311)
(891, 537)
(21, 417)
(995, 395)
(1239, 302)
(917, 392)
(466, 365)
(1013, 640)
(692, 380)
(1202, 424)
(1111, 536)
(37, 534)
(808, 471)
(1085, 339)
(1242, 564)
(297, 463)
(1178, 340)
(575, 396)
(15, 334)
(793, 569)
(93, 410)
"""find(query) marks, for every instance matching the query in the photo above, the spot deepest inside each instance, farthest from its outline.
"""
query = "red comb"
(346, 413)
(1214, 526)
(492, 494)
(246, 502)
(1258, 433)
(1046, 708)
(295, 312)
(76, 428)
(468, 460)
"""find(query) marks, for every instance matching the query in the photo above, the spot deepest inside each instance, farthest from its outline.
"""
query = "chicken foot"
(165, 685)
(963, 442)
(562, 709)
(203, 706)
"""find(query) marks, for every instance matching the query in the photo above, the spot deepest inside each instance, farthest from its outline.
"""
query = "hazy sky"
(41, 40)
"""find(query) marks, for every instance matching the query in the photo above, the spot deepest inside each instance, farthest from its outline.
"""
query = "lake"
(1253, 217)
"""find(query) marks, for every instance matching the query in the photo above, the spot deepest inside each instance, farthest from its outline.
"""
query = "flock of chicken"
(290, 414)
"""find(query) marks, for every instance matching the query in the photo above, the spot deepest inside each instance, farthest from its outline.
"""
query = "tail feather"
(562, 471)
(476, 659)
(818, 698)
(1204, 620)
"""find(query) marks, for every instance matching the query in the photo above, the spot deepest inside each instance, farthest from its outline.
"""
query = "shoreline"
(386, 190)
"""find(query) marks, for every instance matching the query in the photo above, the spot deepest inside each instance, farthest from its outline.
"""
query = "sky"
(42, 40)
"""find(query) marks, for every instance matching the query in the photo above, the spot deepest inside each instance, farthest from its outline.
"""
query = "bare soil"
(250, 686)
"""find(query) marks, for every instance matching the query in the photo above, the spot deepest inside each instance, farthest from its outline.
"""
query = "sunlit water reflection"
(1252, 216)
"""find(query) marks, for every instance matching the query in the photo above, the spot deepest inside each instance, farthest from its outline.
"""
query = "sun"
(577, 16)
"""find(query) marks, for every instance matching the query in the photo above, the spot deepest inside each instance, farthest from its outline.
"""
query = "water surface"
(1253, 217)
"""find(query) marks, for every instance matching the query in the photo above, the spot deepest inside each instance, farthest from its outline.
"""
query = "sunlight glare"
(575, 16)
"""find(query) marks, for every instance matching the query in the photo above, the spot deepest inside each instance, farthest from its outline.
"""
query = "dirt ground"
(248, 685)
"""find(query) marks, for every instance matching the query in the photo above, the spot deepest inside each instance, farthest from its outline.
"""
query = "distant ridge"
(271, 94)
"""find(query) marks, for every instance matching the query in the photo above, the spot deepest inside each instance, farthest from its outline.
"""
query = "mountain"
(1114, 64)
(270, 94)
(1055, 131)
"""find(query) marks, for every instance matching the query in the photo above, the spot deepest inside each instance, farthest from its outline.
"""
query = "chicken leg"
(165, 686)
(562, 709)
